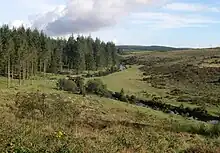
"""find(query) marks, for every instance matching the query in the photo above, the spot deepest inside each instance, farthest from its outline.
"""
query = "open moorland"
(38, 117)
(186, 77)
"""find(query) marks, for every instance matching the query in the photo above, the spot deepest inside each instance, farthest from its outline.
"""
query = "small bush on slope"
(67, 85)
(96, 86)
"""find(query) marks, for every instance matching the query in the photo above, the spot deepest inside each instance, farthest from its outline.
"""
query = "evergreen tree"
(89, 56)
(108, 54)
(97, 53)
(25, 52)
(9, 58)
(79, 57)
(103, 61)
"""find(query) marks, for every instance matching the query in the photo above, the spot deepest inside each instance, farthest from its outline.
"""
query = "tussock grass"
(44, 122)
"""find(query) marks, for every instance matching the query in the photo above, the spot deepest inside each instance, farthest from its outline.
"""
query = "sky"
(177, 23)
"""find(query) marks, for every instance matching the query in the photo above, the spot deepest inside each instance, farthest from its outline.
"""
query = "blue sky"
(180, 23)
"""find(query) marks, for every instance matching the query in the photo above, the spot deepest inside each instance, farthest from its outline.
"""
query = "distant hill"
(148, 48)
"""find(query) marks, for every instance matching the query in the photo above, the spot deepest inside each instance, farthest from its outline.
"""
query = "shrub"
(38, 105)
(79, 83)
(123, 98)
(30, 105)
(133, 99)
(66, 85)
(122, 92)
(202, 129)
(96, 86)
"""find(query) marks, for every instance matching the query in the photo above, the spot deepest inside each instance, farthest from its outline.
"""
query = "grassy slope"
(143, 86)
(92, 124)
(130, 80)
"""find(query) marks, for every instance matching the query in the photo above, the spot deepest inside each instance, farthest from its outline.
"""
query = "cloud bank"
(191, 7)
(88, 16)
(160, 20)
(85, 15)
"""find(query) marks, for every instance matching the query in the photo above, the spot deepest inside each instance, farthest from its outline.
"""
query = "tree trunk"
(32, 71)
(40, 66)
(45, 67)
(24, 72)
(61, 66)
(12, 72)
(19, 72)
(9, 77)
(35, 67)
(27, 71)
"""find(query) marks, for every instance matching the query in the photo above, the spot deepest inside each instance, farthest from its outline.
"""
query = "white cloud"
(194, 7)
(85, 15)
(167, 20)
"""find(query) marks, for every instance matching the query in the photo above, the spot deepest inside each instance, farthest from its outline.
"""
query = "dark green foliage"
(67, 85)
(197, 113)
(80, 84)
(122, 92)
(145, 79)
(26, 52)
(96, 86)
(108, 71)
(123, 97)
(120, 96)
(133, 99)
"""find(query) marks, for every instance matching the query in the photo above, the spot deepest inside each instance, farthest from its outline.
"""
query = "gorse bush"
(38, 122)
(67, 85)
(36, 105)
(96, 86)
(30, 105)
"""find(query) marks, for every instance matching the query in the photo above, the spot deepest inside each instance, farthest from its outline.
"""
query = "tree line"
(25, 52)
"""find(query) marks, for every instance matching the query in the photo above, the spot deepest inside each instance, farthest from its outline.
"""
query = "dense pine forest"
(26, 52)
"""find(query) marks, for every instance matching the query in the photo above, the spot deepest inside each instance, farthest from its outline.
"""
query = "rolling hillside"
(150, 48)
